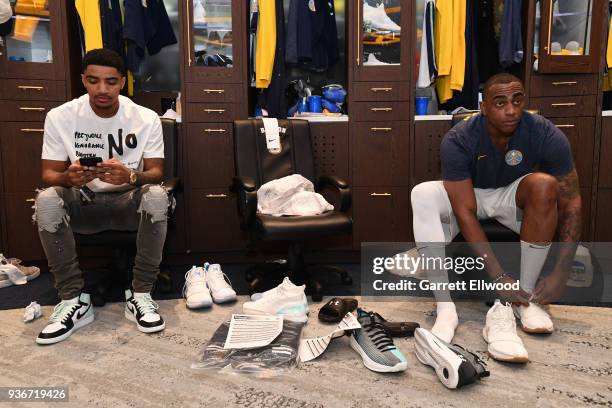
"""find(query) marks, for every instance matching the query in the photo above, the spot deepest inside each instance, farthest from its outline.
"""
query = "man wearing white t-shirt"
(119, 192)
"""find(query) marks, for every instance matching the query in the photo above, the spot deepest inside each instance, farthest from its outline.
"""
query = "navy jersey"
(467, 152)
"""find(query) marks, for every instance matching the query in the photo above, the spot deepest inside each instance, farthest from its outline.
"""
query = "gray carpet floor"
(110, 364)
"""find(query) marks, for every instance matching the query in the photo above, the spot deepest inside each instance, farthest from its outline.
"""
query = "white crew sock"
(533, 257)
(446, 313)
(446, 321)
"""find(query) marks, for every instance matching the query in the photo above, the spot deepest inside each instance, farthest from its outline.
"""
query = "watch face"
(133, 177)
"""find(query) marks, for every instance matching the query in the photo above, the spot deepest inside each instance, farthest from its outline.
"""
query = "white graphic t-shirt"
(73, 131)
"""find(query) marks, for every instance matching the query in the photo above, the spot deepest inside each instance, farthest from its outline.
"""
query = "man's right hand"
(79, 175)
(517, 297)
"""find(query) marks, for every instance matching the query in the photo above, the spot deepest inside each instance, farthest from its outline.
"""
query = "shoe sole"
(507, 358)
(220, 300)
(155, 329)
(5, 283)
(201, 305)
(373, 365)
(430, 351)
(536, 330)
(78, 325)
(532, 330)
(298, 318)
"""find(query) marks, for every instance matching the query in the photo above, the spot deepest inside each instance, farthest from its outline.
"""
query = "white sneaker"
(377, 18)
(534, 319)
(142, 310)
(13, 273)
(372, 60)
(219, 284)
(68, 315)
(500, 333)
(195, 290)
(286, 299)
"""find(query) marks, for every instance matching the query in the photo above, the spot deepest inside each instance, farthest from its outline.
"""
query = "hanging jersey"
(89, 16)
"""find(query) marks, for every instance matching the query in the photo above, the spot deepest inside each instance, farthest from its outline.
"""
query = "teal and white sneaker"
(286, 299)
(375, 346)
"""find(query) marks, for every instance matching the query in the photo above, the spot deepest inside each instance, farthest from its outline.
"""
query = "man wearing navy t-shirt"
(517, 168)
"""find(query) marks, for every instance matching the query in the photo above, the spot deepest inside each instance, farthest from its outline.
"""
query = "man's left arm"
(569, 227)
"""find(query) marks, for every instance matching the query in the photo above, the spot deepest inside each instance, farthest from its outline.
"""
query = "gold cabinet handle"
(560, 104)
(381, 129)
(28, 109)
(216, 195)
(29, 130)
(30, 200)
(550, 18)
(188, 32)
(214, 111)
(30, 88)
(380, 194)
(565, 83)
(381, 109)
(358, 32)
(381, 89)
(217, 91)
(215, 130)
(566, 126)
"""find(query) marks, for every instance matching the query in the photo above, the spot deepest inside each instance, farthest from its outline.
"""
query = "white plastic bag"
(290, 195)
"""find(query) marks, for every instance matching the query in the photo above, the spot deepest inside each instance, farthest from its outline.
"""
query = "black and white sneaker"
(454, 365)
(68, 315)
(141, 309)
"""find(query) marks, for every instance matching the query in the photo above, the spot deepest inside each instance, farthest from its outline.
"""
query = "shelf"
(423, 118)
(341, 118)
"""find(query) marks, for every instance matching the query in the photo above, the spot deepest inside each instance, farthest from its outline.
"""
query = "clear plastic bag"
(275, 359)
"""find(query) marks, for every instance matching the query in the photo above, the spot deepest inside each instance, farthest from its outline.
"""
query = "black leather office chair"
(255, 165)
(122, 243)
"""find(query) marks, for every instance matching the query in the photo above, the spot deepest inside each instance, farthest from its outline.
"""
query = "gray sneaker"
(375, 346)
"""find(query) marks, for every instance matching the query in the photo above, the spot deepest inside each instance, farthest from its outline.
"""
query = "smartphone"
(90, 161)
(87, 196)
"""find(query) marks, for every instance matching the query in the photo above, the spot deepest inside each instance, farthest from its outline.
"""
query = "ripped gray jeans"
(59, 212)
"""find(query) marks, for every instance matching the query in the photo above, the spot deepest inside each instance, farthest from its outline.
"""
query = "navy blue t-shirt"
(467, 152)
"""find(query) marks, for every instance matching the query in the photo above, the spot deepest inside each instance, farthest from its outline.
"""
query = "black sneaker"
(68, 315)
(454, 365)
(141, 309)
(375, 346)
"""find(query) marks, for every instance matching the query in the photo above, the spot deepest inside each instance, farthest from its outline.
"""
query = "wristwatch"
(133, 177)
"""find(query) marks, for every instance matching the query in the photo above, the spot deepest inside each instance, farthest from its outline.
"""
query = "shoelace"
(378, 334)
(145, 304)
(62, 310)
(219, 276)
(501, 321)
(192, 275)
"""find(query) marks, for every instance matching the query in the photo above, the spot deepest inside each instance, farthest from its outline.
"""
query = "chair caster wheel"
(346, 280)
(249, 276)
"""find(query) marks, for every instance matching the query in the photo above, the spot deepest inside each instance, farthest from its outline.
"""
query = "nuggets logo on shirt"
(514, 157)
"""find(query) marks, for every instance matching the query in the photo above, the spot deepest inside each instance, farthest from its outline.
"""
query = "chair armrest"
(341, 186)
(172, 185)
(243, 182)
(246, 192)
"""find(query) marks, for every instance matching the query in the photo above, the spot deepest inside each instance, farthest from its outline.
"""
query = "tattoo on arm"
(569, 224)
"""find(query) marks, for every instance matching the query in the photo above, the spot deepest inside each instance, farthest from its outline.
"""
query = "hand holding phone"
(90, 161)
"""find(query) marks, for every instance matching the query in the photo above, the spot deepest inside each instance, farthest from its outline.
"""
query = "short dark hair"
(501, 78)
(104, 57)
